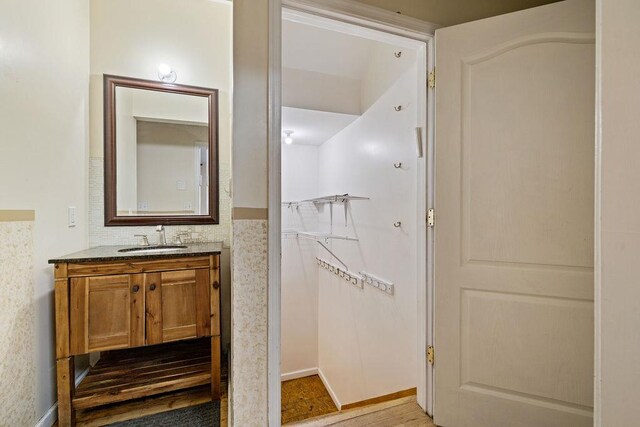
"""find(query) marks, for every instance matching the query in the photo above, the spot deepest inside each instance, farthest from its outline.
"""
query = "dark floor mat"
(207, 414)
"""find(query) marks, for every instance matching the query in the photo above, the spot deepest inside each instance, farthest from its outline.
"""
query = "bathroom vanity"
(152, 313)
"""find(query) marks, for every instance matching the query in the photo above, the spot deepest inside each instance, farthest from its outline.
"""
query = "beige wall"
(448, 12)
(192, 36)
(250, 55)
(44, 69)
(618, 291)
(166, 154)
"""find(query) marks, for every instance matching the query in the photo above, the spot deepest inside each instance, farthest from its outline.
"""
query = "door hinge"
(431, 79)
(431, 218)
(431, 355)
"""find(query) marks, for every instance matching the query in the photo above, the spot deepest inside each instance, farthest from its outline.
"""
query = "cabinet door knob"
(216, 284)
(152, 287)
(136, 288)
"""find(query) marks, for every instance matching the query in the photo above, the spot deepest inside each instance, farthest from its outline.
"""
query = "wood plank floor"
(400, 412)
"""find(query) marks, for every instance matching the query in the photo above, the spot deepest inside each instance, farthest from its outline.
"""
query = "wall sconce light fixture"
(166, 74)
(288, 140)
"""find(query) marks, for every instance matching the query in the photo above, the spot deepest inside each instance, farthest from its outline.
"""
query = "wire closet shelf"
(333, 198)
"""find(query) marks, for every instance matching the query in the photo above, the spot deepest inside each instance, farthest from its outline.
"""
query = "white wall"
(44, 68)
(383, 72)
(299, 284)
(367, 339)
(617, 225)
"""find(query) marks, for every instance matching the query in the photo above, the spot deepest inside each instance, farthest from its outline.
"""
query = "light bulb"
(164, 69)
(166, 74)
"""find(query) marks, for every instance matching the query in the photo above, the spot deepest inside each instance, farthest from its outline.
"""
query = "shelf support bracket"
(333, 255)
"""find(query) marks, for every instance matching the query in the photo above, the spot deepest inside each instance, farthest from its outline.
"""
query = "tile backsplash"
(100, 235)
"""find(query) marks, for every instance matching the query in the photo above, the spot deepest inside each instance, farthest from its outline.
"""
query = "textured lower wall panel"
(249, 324)
(17, 363)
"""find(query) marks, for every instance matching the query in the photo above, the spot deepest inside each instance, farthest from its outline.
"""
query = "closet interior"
(353, 123)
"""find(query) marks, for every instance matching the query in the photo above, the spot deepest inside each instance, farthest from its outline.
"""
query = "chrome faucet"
(145, 241)
(180, 237)
(162, 238)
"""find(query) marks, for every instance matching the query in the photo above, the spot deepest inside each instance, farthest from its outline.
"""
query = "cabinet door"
(106, 313)
(177, 305)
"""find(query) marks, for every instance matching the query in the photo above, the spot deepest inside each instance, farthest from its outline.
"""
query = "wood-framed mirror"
(160, 153)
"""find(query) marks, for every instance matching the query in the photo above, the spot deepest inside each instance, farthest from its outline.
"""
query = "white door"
(514, 219)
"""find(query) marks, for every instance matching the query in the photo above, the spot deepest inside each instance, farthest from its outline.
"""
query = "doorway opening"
(353, 217)
(202, 177)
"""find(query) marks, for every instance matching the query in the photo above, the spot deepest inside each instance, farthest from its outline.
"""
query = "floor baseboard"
(299, 374)
(329, 389)
(51, 416)
(380, 399)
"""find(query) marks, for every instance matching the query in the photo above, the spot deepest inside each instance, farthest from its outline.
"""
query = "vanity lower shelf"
(123, 375)
(119, 412)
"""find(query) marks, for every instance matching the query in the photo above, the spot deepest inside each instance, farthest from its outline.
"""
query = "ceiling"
(312, 127)
(342, 59)
(318, 50)
(310, 48)
(452, 12)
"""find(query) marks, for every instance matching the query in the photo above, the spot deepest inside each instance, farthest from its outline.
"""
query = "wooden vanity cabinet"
(130, 310)
(138, 303)
(106, 312)
(178, 305)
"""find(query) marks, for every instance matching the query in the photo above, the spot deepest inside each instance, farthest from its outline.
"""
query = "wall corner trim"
(17, 215)
(250, 213)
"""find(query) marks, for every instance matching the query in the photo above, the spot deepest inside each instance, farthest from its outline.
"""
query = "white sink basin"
(152, 250)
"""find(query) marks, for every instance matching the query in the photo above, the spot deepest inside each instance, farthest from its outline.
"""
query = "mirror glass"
(160, 153)
(162, 142)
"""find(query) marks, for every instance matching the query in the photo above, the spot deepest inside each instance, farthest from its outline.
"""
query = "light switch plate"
(71, 216)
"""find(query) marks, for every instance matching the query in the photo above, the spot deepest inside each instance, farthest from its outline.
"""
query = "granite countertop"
(110, 253)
